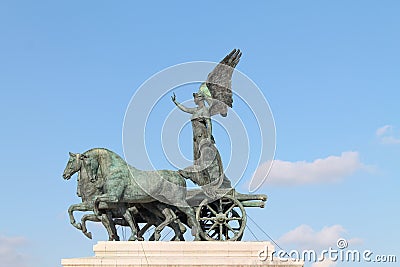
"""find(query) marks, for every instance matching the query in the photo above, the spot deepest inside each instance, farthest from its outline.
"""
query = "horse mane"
(106, 155)
(99, 151)
(96, 151)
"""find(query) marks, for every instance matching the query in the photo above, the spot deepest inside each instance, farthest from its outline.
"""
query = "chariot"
(223, 219)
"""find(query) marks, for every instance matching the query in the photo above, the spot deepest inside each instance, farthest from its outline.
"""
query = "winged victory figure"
(207, 170)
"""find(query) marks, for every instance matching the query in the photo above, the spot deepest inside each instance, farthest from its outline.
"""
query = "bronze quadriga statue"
(115, 193)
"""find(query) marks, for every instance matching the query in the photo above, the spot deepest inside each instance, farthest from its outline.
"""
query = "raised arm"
(182, 107)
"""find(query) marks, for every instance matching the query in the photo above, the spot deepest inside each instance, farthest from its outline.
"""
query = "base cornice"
(196, 253)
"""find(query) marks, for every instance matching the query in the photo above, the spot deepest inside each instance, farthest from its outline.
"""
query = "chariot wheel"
(221, 220)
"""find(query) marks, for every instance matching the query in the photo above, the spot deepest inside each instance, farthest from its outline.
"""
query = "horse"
(125, 184)
(156, 213)
(87, 191)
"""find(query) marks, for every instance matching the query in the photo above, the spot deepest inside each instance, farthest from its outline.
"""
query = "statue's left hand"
(173, 97)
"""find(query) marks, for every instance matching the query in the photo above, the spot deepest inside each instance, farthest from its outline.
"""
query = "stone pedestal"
(134, 254)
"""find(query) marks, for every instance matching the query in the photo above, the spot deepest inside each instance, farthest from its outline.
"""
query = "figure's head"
(73, 165)
(198, 98)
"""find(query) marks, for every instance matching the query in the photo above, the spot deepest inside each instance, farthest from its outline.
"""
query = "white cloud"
(329, 169)
(304, 237)
(390, 140)
(384, 129)
(9, 252)
(387, 136)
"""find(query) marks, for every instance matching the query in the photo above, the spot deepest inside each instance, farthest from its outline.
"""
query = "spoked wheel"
(221, 220)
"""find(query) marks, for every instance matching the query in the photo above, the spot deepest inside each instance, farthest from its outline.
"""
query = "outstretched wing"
(219, 83)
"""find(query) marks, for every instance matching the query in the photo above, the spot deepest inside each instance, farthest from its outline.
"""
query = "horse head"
(87, 166)
(74, 165)
(91, 166)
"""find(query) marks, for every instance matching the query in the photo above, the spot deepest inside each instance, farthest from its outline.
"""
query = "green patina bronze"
(124, 190)
(115, 193)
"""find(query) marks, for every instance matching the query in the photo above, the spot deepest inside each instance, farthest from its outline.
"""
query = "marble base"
(157, 254)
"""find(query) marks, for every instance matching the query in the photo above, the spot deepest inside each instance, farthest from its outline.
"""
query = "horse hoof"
(133, 238)
(88, 235)
(140, 238)
(182, 228)
(157, 236)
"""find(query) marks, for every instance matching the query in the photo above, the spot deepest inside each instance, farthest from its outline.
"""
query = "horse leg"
(77, 207)
(182, 227)
(88, 217)
(191, 218)
(106, 218)
(179, 230)
(175, 223)
(107, 221)
(103, 198)
(170, 218)
(113, 228)
(151, 218)
(161, 226)
(132, 224)
(134, 212)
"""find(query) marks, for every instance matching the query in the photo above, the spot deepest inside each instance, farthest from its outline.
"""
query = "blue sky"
(329, 70)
